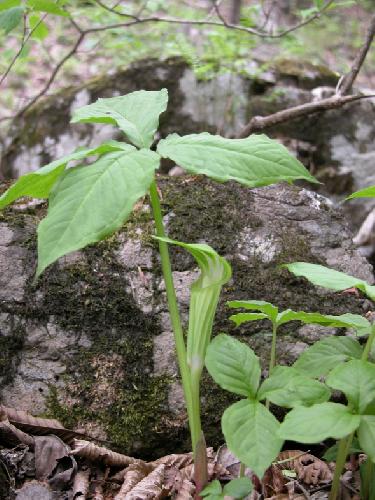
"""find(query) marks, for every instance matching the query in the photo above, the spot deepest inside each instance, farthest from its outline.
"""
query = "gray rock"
(91, 342)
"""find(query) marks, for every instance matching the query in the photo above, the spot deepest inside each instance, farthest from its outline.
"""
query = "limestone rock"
(91, 342)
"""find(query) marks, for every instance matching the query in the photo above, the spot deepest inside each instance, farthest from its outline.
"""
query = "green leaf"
(319, 422)
(205, 291)
(255, 161)
(347, 320)
(8, 4)
(329, 278)
(251, 433)
(368, 192)
(38, 184)
(47, 6)
(233, 365)
(10, 19)
(137, 114)
(288, 388)
(238, 488)
(212, 491)
(90, 203)
(325, 354)
(39, 27)
(331, 454)
(356, 379)
(366, 435)
(255, 305)
(240, 318)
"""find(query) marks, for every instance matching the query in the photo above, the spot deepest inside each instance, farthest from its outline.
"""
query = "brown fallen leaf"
(11, 436)
(38, 426)
(273, 482)
(309, 469)
(93, 452)
(176, 460)
(81, 485)
(134, 473)
(186, 491)
(50, 452)
(151, 487)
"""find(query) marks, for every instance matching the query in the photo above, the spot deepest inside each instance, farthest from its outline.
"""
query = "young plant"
(89, 203)
(236, 488)
(250, 429)
(355, 378)
(271, 312)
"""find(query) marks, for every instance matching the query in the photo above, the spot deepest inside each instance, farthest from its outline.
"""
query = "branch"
(204, 22)
(258, 123)
(135, 20)
(350, 77)
(51, 79)
(16, 56)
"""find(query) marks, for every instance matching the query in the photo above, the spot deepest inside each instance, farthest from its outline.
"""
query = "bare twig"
(216, 7)
(350, 77)
(51, 79)
(258, 123)
(17, 54)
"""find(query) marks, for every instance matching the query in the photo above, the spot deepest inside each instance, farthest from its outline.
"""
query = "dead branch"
(259, 123)
(350, 77)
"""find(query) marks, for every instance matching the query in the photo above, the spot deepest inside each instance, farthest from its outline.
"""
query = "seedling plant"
(87, 203)
(251, 431)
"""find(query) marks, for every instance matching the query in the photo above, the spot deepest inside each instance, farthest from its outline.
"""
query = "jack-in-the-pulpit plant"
(87, 203)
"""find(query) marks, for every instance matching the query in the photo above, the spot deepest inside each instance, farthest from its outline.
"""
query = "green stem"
(193, 414)
(273, 349)
(368, 345)
(342, 453)
(272, 356)
(242, 470)
(367, 476)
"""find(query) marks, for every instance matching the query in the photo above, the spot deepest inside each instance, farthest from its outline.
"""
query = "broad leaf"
(347, 320)
(241, 318)
(238, 488)
(288, 388)
(251, 433)
(10, 18)
(205, 291)
(255, 305)
(39, 28)
(89, 203)
(8, 4)
(213, 491)
(326, 354)
(47, 6)
(254, 161)
(137, 114)
(356, 379)
(319, 422)
(233, 365)
(330, 278)
(368, 192)
(366, 435)
(38, 184)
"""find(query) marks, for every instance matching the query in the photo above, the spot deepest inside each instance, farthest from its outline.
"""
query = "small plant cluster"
(87, 203)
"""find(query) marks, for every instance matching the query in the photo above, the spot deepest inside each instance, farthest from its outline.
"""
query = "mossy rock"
(91, 343)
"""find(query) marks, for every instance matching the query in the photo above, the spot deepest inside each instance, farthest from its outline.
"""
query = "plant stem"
(242, 470)
(194, 417)
(367, 476)
(368, 345)
(273, 349)
(272, 356)
(342, 453)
